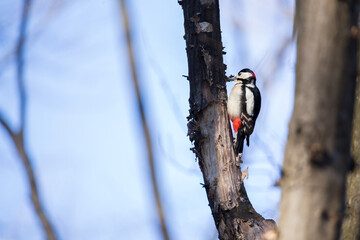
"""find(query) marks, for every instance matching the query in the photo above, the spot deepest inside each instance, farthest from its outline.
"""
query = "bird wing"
(257, 103)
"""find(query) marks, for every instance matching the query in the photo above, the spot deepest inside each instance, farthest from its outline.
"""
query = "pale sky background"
(83, 131)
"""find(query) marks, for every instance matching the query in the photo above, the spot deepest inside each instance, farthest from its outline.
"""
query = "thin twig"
(7, 127)
(36, 32)
(18, 137)
(144, 123)
(20, 61)
(37, 204)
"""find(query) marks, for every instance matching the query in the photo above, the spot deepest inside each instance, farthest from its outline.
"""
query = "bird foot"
(235, 143)
(238, 159)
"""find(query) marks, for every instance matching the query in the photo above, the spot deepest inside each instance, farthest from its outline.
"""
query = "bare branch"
(6, 126)
(37, 204)
(18, 138)
(47, 18)
(20, 61)
(144, 122)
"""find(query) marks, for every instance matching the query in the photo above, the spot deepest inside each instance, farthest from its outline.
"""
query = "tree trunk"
(209, 127)
(351, 224)
(318, 150)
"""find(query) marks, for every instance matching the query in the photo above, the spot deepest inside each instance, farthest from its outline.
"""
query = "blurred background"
(83, 132)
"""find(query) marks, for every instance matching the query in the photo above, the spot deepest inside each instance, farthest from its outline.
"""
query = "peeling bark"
(317, 155)
(209, 128)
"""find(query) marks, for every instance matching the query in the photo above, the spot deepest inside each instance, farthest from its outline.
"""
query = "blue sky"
(83, 131)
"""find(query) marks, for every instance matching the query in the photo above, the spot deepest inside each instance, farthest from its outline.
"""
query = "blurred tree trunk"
(317, 156)
(351, 224)
(209, 128)
(144, 122)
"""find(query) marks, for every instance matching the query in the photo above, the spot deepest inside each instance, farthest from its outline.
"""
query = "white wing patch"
(250, 103)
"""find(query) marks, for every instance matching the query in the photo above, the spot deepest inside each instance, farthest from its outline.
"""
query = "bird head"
(245, 76)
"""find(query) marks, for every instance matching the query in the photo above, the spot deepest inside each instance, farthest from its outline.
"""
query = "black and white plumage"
(243, 106)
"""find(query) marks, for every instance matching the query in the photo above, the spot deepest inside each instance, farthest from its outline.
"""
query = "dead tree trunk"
(351, 224)
(209, 127)
(317, 155)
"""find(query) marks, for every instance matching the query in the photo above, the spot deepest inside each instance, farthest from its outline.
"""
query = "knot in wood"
(319, 156)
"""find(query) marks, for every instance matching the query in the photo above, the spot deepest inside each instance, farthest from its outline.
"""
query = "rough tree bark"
(351, 223)
(317, 155)
(209, 128)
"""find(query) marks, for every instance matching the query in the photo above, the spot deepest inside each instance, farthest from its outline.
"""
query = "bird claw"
(238, 159)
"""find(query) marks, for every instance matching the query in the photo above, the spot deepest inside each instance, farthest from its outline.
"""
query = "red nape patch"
(253, 74)
(236, 124)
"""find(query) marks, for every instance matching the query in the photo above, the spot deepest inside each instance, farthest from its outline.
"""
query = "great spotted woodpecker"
(243, 107)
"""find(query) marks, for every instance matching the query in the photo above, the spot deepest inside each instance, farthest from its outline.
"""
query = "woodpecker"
(243, 107)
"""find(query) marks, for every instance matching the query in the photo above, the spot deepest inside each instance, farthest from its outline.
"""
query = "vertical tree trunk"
(209, 127)
(318, 149)
(351, 224)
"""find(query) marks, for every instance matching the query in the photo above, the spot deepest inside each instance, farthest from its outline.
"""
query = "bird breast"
(234, 106)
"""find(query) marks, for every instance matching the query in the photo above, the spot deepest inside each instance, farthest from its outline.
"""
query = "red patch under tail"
(236, 124)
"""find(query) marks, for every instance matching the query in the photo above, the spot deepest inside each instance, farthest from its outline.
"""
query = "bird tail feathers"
(239, 144)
